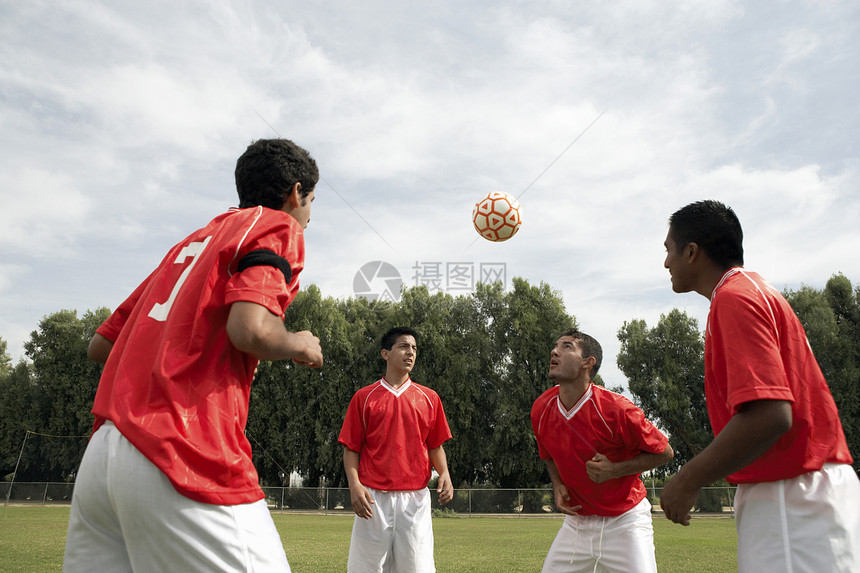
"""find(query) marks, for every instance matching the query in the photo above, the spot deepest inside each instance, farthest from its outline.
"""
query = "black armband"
(267, 258)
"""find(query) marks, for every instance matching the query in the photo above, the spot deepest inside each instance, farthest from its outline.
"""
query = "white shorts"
(806, 524)
(397, 539)
(596, 544)
(126, 516)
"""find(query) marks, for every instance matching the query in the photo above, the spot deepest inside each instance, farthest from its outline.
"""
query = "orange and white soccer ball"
(497, 216)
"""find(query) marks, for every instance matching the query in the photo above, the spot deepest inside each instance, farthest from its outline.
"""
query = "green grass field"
(32, 540)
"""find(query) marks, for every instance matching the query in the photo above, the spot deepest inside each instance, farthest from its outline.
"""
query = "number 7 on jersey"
(161, 309)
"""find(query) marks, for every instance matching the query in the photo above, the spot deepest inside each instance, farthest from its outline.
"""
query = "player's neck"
(570, 391)
(708, 276)
(396, 378)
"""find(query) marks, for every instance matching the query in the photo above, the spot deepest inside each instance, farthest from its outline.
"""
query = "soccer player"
(776, 428)
(595, 444)
(166, 482)
(392, 434)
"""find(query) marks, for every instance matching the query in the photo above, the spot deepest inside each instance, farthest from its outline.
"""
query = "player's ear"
(385, 355)
(691, 252)
(292, 196)
(590, 362)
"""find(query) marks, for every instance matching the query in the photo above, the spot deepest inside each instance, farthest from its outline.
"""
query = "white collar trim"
(568, 414)
(396, 391)
(731, 272)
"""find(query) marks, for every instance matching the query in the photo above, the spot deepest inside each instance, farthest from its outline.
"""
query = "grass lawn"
(32, 540)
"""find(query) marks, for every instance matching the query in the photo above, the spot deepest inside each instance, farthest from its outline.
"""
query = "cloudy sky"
(122, 122)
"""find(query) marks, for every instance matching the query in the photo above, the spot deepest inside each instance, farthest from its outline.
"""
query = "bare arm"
(360, 497)
(559, 490)
(256, 331)
(444, 487)
(600, 469)
(749, 434)
(99, 348)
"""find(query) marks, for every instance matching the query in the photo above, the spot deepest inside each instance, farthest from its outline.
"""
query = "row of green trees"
(51, 393)
(664, 365)
(486, 354)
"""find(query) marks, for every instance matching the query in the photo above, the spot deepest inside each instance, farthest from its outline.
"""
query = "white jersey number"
(160, 310)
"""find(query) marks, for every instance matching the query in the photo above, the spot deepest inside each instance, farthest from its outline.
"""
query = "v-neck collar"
(396, 391)
(568, 414)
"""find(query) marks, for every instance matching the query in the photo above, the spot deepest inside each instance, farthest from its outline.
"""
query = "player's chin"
(677, 287)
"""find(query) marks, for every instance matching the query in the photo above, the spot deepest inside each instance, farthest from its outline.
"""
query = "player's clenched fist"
(309, 350)
(600, 469)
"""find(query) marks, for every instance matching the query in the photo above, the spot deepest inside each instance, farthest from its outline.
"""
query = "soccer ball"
(497, 216)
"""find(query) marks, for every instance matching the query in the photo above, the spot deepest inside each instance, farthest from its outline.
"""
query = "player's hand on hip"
(445, 489)
(361, 501)
(599, 469)
(677, 500)
(310, 351)
(561, 500)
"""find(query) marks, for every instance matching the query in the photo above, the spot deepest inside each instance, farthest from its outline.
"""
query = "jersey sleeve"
(642, 434)
(439, 430)
(266, 285)
(261, 285)
(111, 327)
(538, 409)
(352, 431)
(745, 336)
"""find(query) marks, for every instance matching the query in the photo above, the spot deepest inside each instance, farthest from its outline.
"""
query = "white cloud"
(10, 274)
(127, 119)
(41, 212)
(797, 48)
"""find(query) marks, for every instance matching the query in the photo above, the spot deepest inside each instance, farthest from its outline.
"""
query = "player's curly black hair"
(267, 171)
(589, 346)
(714, 227)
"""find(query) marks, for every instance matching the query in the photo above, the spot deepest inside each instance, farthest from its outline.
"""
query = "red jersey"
(174, 385)
(756, 349)
(600, 422)
(393, 430)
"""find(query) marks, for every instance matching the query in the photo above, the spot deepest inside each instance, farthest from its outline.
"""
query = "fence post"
(15, 473)
(732, 499)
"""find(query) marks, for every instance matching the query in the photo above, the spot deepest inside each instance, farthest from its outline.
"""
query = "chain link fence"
(466, 502)
(36, 493)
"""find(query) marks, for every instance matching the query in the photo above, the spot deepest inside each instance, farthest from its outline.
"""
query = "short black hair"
(714, 227)
(390, 337)
(268, 170)
(589, 346)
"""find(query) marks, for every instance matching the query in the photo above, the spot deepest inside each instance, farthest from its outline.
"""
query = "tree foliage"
(665, 372)
(664, 366)
(831, 318)
(17, 395)
(5, 360)
(50, 396)
(485, 354)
